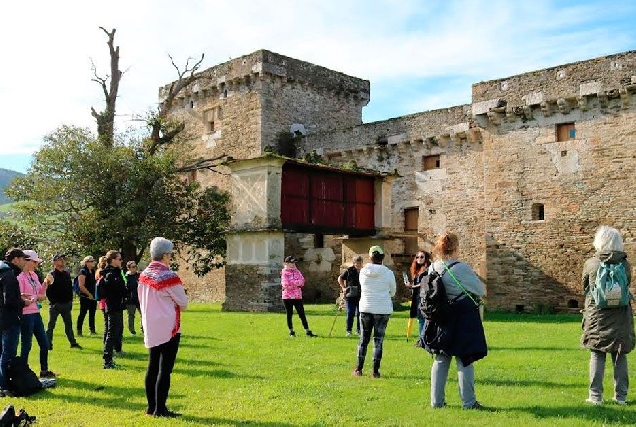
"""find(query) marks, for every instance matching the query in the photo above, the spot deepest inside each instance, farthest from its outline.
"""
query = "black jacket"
(351, 276)
(132, 282)
(112, 288)
(89, 281)
(61, 290)
(11, 303)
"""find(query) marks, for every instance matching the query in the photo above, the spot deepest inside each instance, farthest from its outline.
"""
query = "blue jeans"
(376, 323)
(465, 381)
(32, 325)
(352, 310)
(10, 338)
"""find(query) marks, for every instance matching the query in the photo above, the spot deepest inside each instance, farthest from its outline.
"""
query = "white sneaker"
(594, 402)
(619, 402)
(348, 334)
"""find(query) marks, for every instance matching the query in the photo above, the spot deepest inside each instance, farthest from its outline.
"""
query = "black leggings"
(300, 309)
(86, 306)
(160, 363)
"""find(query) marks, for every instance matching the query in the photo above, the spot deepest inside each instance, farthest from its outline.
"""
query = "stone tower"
(239, 107)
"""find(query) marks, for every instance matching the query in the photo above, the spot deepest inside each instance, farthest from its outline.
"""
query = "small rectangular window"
(319, 240)
(430, 162)
(538, 212)
(565, 131)
(210, 126)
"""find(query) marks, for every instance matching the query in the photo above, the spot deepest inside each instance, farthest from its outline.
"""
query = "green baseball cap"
(377, 249)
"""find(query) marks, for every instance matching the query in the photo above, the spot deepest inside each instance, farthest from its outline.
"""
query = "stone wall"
(499, 160)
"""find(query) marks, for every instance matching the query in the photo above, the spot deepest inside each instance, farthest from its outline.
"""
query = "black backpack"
(21, 380)
(8, 418)
(434, 304)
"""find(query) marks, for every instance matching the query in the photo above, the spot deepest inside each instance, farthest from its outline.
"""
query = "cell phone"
(405, 277)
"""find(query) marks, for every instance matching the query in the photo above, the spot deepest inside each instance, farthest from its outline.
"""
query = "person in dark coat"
(463, 336)
(132, 299)
(59, 291)
(11, 305)
(113, 290)
(418, 270)
(349, 282)
(607, 330)
(88, 304)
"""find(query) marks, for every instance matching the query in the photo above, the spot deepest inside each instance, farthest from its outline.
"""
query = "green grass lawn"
(243, 369)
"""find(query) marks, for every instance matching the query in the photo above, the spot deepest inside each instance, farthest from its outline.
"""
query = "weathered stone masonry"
(524, 199)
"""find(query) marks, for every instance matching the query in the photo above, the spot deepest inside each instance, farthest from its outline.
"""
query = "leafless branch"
(185, 77)
(207, 164)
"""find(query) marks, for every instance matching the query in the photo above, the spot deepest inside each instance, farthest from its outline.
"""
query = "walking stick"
(339, 304)
(409, 326)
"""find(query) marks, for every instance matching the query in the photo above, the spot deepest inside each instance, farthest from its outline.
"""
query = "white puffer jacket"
(377, 284)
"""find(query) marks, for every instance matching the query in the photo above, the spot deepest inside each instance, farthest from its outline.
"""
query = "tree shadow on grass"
(491, 317)
(226, 421)
(533, 348)
(512, 382)
(587, 414)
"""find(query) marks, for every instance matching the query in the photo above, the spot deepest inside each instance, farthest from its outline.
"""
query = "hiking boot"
(133, 333)
(376, 374)
(292, 334)
(76, 345)
(79, 334)
(110, 365)
(167, 414)
(357, 372)
(47, 374)
(310, 334)
(477, 406)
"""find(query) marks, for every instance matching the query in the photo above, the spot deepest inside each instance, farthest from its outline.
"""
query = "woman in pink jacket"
(292, 281)
(32, 324)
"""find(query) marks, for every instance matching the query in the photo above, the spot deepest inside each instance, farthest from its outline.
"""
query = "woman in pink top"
(31, 323)
(161, 299)
(291, 279)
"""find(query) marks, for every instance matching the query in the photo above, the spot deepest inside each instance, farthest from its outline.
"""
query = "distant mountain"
(6, 176)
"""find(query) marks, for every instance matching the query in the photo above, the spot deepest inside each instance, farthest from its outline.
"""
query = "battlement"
(246, 70)
(600, 83)
(428, 129)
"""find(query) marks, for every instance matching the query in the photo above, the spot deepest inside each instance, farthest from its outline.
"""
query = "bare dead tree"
(106, 119)
(160, 135)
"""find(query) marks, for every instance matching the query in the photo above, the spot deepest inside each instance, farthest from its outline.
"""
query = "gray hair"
(160, 246)
(357, 258)
(608, 239)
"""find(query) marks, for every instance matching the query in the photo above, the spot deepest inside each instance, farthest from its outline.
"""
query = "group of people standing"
(157, 293)
(368, 292)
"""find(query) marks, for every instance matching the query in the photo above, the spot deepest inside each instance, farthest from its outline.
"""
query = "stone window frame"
(565, 131)
(431, 162)
(538, 212)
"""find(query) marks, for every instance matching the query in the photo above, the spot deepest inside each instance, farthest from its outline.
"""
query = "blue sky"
(418, 55)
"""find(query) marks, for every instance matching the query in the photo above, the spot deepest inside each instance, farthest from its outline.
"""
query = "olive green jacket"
(610, 330)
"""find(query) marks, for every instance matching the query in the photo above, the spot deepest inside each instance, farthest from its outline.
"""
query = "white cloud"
(45, 78)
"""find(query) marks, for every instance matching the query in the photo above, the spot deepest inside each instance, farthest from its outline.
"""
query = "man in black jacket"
(11, 305)
(60, 295)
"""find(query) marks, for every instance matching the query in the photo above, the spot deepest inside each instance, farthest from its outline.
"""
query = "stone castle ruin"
(524, 174)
